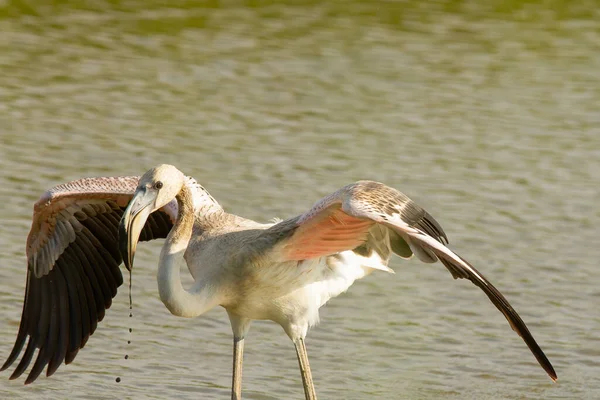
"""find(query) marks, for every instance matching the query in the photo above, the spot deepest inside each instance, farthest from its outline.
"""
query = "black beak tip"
(127, 264)
(123, 247)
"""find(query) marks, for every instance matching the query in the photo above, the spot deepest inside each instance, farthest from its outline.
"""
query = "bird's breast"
(295, 290)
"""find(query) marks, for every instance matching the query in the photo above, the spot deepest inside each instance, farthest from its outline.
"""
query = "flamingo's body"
(283, 271)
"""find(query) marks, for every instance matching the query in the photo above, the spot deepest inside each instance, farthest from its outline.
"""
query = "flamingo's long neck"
(203, 203)
(178, 300)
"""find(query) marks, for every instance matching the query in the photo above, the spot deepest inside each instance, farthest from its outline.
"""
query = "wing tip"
(17, 372)
(549, 369)
(30, 379)
(13, 356)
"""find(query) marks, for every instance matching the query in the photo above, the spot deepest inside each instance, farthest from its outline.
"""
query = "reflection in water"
(484, 113)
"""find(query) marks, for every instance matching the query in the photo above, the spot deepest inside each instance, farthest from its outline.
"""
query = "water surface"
(487, 115)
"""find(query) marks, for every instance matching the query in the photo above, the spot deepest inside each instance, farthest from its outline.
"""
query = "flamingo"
(282, 271)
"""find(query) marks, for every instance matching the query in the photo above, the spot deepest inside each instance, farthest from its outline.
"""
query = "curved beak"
(132, 223)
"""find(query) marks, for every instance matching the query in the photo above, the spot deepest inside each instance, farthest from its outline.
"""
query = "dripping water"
(118, 380)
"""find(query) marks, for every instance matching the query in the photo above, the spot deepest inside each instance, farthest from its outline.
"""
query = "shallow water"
(485, 115)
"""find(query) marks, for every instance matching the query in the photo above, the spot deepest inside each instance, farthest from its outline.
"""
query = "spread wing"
(73, 268)
(344, 221)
